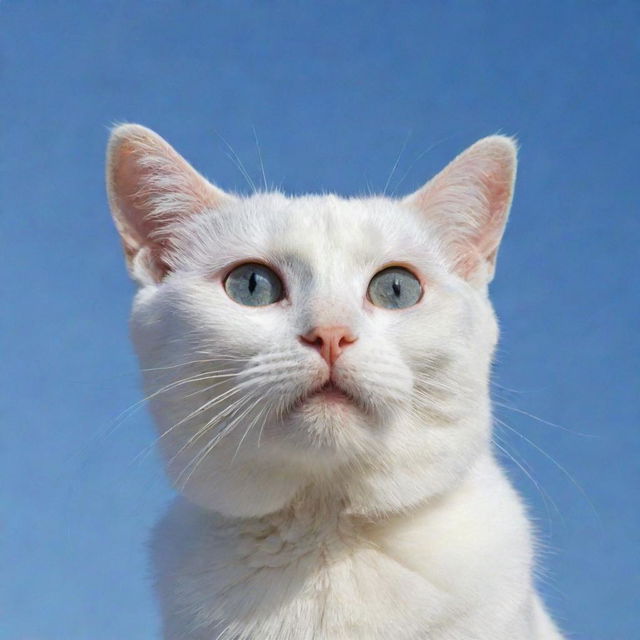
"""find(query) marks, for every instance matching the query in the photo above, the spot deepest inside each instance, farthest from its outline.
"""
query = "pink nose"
(329, 341)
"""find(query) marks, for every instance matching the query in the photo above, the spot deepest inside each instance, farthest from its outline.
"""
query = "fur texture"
(382, 516)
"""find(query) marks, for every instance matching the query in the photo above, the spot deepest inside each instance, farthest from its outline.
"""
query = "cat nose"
(329, 341)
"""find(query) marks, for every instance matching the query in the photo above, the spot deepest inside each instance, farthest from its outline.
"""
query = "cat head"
(316, 341)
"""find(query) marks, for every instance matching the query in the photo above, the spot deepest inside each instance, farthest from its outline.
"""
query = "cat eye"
(254, 285)
(394, 288)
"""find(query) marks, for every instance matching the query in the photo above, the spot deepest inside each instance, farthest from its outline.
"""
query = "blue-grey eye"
(253, 285)
(394, 288)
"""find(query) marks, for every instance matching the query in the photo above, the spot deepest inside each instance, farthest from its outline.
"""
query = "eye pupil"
(254, 285)
(394, 288)
(252, 282)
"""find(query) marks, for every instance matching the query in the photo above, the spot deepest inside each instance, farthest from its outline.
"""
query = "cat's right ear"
(151, 188)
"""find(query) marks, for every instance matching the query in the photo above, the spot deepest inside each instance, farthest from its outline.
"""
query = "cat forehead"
(309, 229)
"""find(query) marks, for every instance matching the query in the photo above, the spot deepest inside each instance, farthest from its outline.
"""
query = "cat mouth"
(329, 394)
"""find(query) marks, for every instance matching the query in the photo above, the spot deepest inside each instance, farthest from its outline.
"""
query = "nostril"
(346, 339)
(312, 339)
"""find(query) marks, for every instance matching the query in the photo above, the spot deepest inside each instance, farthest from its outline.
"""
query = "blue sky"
(334, 91)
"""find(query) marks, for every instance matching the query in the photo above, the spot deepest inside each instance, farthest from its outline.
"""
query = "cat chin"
(325, 431)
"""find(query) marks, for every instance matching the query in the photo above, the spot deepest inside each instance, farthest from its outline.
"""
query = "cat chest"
(319, 582)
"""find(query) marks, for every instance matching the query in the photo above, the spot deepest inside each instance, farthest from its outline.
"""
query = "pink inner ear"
(498, 185)
(469, 202)
(137, 225)
(151, 187)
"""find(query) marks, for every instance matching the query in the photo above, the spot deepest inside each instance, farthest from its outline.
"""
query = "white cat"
(318, 370)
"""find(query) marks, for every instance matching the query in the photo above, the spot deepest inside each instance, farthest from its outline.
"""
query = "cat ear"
(469, 203)
(151, 187)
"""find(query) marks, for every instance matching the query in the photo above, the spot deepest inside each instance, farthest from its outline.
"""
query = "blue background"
(334, 91)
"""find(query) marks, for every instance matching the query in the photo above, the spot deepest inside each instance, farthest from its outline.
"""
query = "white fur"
(388, 518)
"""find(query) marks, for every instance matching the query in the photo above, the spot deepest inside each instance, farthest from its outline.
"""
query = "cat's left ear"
(152, 188)
(468, 203)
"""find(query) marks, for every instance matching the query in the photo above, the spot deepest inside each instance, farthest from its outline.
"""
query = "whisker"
(264, 421)
(251, 424)
(186, 364)
(395, 165)
(194, 413)
(546, 498)
(418, 157)
(550, 424)
(211, 423)
(233, 156)
(557, 464)
(208, 448)
(129, 411)
(264, 176)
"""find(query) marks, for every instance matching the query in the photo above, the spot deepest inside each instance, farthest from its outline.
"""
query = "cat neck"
(319, 512)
